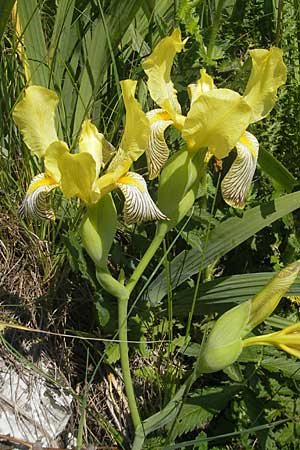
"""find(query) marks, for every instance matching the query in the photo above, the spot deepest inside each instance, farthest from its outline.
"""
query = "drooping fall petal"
(137, 127)
(216, 120)
(236, 184)
(267, 75)
(157, 151)
(35, 203)
(139, 206)
(158, 68)
(34, 116)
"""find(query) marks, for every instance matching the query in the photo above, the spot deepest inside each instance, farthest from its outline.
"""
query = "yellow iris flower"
(287, 339)
(217, 118)
(80, 174)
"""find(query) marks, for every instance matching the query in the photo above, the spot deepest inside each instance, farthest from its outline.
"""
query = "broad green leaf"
(6, 7)
(36, 50)
(273, 360)
(62, 37)
(277, 171)
(225, 237)
(222, 293)
(106, 34)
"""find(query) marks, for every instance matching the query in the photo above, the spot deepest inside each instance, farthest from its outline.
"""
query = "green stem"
(122, 315)
(150, 252)
(215, 28)
(123, 332)
(195, 296)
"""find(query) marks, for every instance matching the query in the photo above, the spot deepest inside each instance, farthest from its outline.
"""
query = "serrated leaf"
(112, 352)
(198, 411)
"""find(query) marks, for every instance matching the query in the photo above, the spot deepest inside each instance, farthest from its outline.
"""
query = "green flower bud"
(224, 343)
(98, 229)
(179, 185)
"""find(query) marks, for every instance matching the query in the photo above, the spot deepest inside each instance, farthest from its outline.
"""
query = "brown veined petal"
(236, 183)
(157, 151)
(35, 203)
(139, 206)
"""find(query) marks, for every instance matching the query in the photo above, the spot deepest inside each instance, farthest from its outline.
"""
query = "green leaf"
(276, 170)
(158, 420)
(222, 293)
(36, 51)
(225, 237)
(200, 408)
(5, 7)
(106, 34)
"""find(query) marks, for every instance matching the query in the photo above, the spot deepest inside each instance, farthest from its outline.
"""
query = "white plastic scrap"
(31, 408)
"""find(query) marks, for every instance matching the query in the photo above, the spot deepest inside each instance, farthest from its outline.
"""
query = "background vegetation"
(81, 49)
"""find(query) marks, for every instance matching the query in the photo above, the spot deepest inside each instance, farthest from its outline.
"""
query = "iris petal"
(91, 141)
(34, 116)
(158, 68)
(137, 128)
(204, 84)
(236, 183)
(35, 203)
(267, 75)
(157, 151)
(220, 130)
(139, 206)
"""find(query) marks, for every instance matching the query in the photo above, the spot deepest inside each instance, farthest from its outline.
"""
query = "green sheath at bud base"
(225, 341)
(224, 344)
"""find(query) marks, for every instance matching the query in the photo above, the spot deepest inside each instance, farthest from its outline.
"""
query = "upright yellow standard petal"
(91, 141)
(34, 116)
(204, 84)
(267, 75)
(236, 184)
(158, 68)
(216, 120)
(137, 127)
(139, 206)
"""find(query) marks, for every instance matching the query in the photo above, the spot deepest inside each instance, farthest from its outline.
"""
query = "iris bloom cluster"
(216, 122)
(218, 118)
(96, 169)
